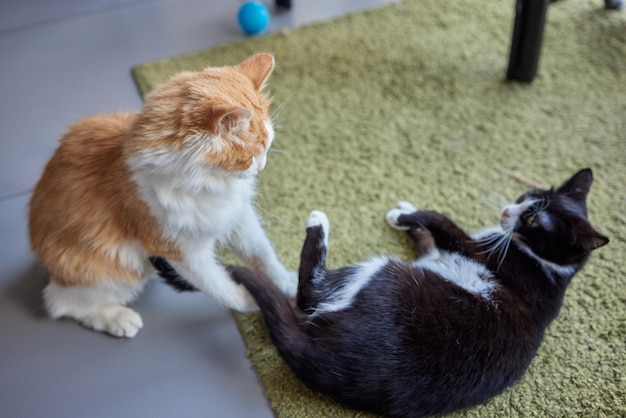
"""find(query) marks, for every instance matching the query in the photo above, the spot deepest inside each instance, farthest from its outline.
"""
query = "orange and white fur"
(173, 180)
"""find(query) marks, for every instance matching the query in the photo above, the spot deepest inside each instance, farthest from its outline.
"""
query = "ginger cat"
(168, 182)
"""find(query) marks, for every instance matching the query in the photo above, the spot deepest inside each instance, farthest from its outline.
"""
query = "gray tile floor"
(60, 61)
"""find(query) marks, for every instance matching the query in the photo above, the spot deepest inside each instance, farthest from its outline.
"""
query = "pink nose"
(505, 212)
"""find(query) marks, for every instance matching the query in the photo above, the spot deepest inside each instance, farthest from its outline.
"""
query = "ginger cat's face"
(214, 121)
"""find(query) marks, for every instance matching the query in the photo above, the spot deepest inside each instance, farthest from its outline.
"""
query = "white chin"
(507, 224)
(246, 174)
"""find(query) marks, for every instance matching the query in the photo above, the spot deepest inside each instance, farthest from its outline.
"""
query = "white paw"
(317, 218)
(288, 282)
(118, 321)
(406, 206)
(403, 208)
(242, 301)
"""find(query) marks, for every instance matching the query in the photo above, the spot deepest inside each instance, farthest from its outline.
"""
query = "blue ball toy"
(253, 17)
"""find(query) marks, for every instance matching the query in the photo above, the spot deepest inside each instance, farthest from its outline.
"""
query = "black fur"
(171, 276)
(413, 344)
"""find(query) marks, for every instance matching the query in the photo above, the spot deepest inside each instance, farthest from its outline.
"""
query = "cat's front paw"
(287, 282)
(403, 208)
(406, 206)
(242, 301)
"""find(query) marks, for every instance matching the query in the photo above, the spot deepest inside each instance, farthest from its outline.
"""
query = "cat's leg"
(251, 244)
(403, 208)
(446, 234)
(312, 269)
(422, 237)
(200, 268)
(100, 307)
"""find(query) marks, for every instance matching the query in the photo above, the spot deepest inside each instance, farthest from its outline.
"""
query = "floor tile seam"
(72, 16)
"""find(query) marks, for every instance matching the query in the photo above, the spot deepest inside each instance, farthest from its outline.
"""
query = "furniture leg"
(530, 18)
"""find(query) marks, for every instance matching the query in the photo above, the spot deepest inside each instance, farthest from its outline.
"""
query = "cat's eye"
(530, 219)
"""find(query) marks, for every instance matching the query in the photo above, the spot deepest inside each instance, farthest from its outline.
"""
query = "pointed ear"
(229, 118)
(578, 185)
(593, 240)
(257, 68)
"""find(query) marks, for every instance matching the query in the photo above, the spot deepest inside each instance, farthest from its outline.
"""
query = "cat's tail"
(171, 276)
(280, 316)
(281, 319)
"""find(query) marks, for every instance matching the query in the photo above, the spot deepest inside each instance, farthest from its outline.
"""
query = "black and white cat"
(447, 331)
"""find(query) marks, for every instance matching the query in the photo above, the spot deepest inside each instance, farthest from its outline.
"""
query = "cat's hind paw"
(319, 219)
(402, 208)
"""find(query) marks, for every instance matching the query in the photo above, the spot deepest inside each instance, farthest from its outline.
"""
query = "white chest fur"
(192, 204)
(460, 270)
(209, 212)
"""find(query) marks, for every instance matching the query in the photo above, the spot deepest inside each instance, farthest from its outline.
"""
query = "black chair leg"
(283, 4)
(614, 4)
(530, 19)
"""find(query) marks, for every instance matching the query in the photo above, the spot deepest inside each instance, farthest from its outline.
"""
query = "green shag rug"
(407, 101)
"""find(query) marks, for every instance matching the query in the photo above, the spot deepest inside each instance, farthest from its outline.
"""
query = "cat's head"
(210, 121)
(553, 223)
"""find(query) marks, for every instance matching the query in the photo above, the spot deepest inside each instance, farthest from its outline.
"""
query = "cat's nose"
(505, 212)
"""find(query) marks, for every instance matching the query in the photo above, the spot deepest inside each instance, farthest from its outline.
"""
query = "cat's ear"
(257, 68)
(227, 119)
(578, 185)
(584, 236)
(592, 240)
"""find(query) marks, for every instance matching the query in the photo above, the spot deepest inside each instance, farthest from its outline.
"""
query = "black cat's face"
(553, 223)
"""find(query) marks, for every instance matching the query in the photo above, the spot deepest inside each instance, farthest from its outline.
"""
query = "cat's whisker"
(496, 202)
(274, 216)
(498, 245)
(495, 248)
(277, 113)
(280, 107)
(278, 151)
(490, 250)
(504, 252)
(489, 239)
